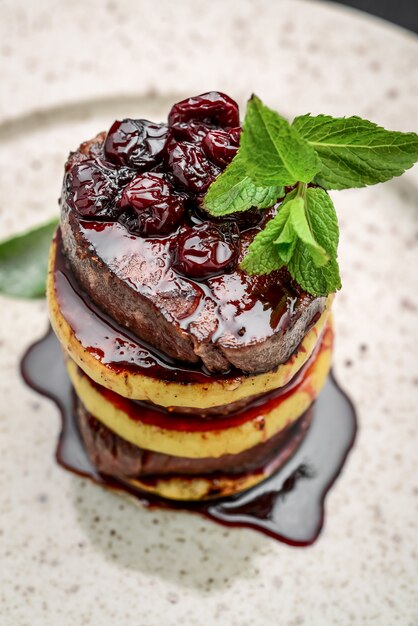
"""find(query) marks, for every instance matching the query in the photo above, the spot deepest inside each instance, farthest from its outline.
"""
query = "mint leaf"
(318, 281)
(272, 151)
(286, 242)
(234, 191)
(24, 262)
(263, 255)
(303, 229)
(355, 152)
(304, 236)
(323, 221)
(320, 212)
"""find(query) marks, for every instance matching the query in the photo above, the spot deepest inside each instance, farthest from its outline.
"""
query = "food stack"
(192, 379)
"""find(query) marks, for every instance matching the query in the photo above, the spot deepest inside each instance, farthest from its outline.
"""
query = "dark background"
(402, 12)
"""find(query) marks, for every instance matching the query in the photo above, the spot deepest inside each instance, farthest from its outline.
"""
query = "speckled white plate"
(72, 553)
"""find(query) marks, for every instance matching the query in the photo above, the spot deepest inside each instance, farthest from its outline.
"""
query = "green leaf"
(320, 213)
(286, 242)
(234, 191)
(318, 281)
(24, 262)
(263, 255)
(304, 236)
(355, 152)
(273, 152)
(303, 229)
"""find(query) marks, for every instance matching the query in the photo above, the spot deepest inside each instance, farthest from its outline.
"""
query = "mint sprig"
(304, 236)
(330, 153)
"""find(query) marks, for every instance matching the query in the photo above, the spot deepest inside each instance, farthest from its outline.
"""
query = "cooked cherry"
(156, 209)
(190, 166)
(121, 175)
(193, 132)
(136, 143)
(206, 250)
(90, 187)
(221, 145)
(211, 108)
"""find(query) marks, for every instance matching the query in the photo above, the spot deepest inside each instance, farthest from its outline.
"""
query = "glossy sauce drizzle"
(114, 345)
(288, 506)
(256, 409)
(221, 309)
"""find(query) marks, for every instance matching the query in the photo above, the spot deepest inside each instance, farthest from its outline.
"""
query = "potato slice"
(200, 488)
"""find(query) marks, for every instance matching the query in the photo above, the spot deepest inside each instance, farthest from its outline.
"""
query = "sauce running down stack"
(192, 379)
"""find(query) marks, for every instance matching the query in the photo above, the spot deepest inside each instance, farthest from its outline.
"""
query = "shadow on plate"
(178, 547)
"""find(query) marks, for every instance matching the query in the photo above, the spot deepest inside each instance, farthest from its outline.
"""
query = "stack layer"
(210, 437)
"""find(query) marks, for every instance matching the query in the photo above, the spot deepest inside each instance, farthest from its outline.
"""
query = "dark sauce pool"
(288, 506)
